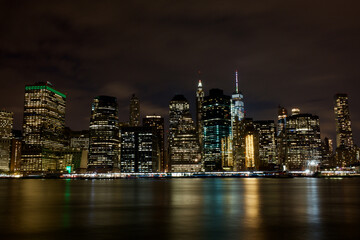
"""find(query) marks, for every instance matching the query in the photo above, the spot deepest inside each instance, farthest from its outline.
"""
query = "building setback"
(139, 150)
(104, 140)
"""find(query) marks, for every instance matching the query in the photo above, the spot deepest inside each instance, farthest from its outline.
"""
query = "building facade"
(104, 144)
(217, 125)
(157, 124)
(6, 125)
(303, 141)
(345, 149)
(139, 150)
(267, 145)
(43, 128)
(185, 150)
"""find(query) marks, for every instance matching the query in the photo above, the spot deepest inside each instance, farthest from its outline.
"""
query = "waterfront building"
(134, 111)
(303, 142)
(345, 150)
(157, 123)
(104, 144)
(6, 125)
(43, 127)
(217, 125)
(267, 144)
(139, 150)
(185, 150)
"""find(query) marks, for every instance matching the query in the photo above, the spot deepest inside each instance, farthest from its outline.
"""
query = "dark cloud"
(293, 53)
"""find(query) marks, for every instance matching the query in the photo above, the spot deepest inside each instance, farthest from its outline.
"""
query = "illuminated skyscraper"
(104, 150)
(139, 150)
(134, 111)
(303, 142)
(185, 151)
(6, 125)
(267, 145)
(217, 125)
(344, 136)
(345, 151)
(157, 123)
(199, 121)
(246, 145)
(43, 127)
(237, 102)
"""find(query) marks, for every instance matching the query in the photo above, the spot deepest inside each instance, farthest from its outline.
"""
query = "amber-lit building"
(6, 125)
(157, 123)
(303, 141)
(43, 128)
(345, 149)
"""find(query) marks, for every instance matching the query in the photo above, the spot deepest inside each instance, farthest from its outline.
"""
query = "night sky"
(293, 53)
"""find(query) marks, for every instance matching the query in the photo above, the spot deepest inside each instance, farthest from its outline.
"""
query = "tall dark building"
(134, 111)
(104, 144)
(217, 125)
(346, 151)
(267, 144)
(157, 123)
(139, 150)
(303, 141)
(281, 136)
(43, 128)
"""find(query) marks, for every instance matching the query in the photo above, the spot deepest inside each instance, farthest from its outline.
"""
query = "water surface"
(220, 208)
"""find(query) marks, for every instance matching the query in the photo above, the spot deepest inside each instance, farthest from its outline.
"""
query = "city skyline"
(300, 53)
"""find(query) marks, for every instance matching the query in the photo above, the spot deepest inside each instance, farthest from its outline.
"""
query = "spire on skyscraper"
(236, 81)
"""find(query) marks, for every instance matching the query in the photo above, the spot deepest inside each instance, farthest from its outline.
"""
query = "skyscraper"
(185, 151)
(237, 102)
(199, 120)
(303, 142)
(157, 123)
(343, 123)
(217, 125)
(6, 125)
(139, 150)
(178, 107)
(281, 136)
(43, 127)
(345, 151)
(267, 144)
(134, 111)
(104, 150)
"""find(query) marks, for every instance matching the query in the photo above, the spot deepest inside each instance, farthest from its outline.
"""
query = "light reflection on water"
(251, 208)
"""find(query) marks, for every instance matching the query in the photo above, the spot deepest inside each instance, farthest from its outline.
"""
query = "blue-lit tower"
(217, 126)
